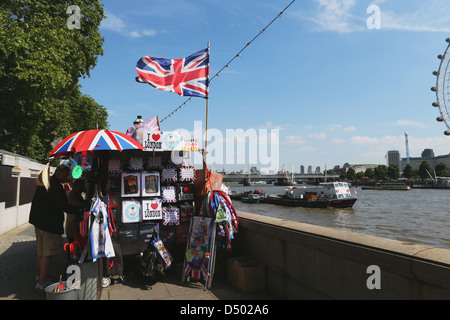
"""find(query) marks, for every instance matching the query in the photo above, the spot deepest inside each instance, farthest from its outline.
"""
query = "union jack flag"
(186, 77)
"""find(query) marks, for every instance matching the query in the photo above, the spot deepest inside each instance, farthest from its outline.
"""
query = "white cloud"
(351, 128)
(335, 15)
(364, 140)
(346, 16)
(320, 135)
(270, 125)
(339, 127)
(307, 149)
(420, 20)
(116, 24)
(410, 123)
(294, 140)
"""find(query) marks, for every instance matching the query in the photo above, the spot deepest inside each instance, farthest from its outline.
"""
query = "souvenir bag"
(101, 243)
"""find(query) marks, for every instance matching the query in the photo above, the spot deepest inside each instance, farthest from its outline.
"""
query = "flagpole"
(205, 168)
(206, 126)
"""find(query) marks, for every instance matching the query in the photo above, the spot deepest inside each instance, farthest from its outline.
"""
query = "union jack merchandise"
(186, 77)
(171, 216)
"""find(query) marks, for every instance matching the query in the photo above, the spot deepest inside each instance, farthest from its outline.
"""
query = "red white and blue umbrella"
(95, 140)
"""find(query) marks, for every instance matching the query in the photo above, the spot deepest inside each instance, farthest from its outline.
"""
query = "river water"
(417, 216)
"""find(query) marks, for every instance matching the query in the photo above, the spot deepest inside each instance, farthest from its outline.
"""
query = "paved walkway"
(18, 270)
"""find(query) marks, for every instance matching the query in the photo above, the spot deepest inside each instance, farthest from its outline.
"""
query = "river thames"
(417, 216)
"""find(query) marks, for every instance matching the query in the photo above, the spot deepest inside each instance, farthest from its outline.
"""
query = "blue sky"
(335, 90)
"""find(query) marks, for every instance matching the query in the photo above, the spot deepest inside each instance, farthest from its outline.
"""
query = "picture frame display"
(150, 184)
(130, 186)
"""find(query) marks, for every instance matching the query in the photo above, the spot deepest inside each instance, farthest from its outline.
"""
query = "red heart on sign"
(154, 206)
(155, 137)
(187, 189)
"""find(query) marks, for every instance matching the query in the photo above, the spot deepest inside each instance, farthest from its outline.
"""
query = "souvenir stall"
(92, 242)
(147, 198)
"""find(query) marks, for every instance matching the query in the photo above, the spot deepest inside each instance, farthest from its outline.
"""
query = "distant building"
(302, 169)
(362, 167)
(394, 158)
(428, 153)
(428, 156)
(310, 170)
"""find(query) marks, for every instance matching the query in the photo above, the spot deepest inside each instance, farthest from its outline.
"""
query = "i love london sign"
(167, 141)
(151, 209)
(152, 140)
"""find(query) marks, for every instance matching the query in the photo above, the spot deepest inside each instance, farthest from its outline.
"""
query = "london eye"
(442, 88)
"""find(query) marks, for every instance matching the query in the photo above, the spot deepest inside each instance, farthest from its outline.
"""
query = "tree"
(424, 170)
(360, 175)
(442, 170)
(380, 172)
(351, 174)
(369, 173)
(393, 172)
(41, 60)
(408, 171)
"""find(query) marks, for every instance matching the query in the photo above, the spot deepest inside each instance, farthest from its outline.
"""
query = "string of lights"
(238, 55)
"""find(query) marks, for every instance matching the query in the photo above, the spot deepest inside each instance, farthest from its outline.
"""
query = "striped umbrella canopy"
(93, 140)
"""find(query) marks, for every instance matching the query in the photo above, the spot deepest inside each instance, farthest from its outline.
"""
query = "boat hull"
(250, 200)
(343, 203)
(296, 202)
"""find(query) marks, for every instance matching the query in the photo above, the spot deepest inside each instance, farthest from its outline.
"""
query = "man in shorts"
(47, 215)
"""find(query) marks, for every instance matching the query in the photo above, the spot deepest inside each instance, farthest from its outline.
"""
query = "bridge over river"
(238, 178)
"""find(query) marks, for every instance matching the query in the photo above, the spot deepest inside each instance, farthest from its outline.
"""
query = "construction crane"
(407, 147)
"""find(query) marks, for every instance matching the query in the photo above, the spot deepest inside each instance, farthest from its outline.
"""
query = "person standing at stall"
(75, 197)
(47, 215)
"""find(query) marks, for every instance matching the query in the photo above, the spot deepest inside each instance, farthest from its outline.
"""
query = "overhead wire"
(237, 55)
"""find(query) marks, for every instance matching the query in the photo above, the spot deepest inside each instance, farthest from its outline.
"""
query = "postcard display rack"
(148, 192)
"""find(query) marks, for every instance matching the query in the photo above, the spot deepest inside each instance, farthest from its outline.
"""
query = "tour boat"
(337, 194)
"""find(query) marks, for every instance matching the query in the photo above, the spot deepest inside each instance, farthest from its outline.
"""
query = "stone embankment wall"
(311, 262)
(17, 186)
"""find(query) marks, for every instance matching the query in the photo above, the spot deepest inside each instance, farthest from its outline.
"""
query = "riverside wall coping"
(436, 255)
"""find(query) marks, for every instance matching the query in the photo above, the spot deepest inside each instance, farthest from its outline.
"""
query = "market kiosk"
(152, 197)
